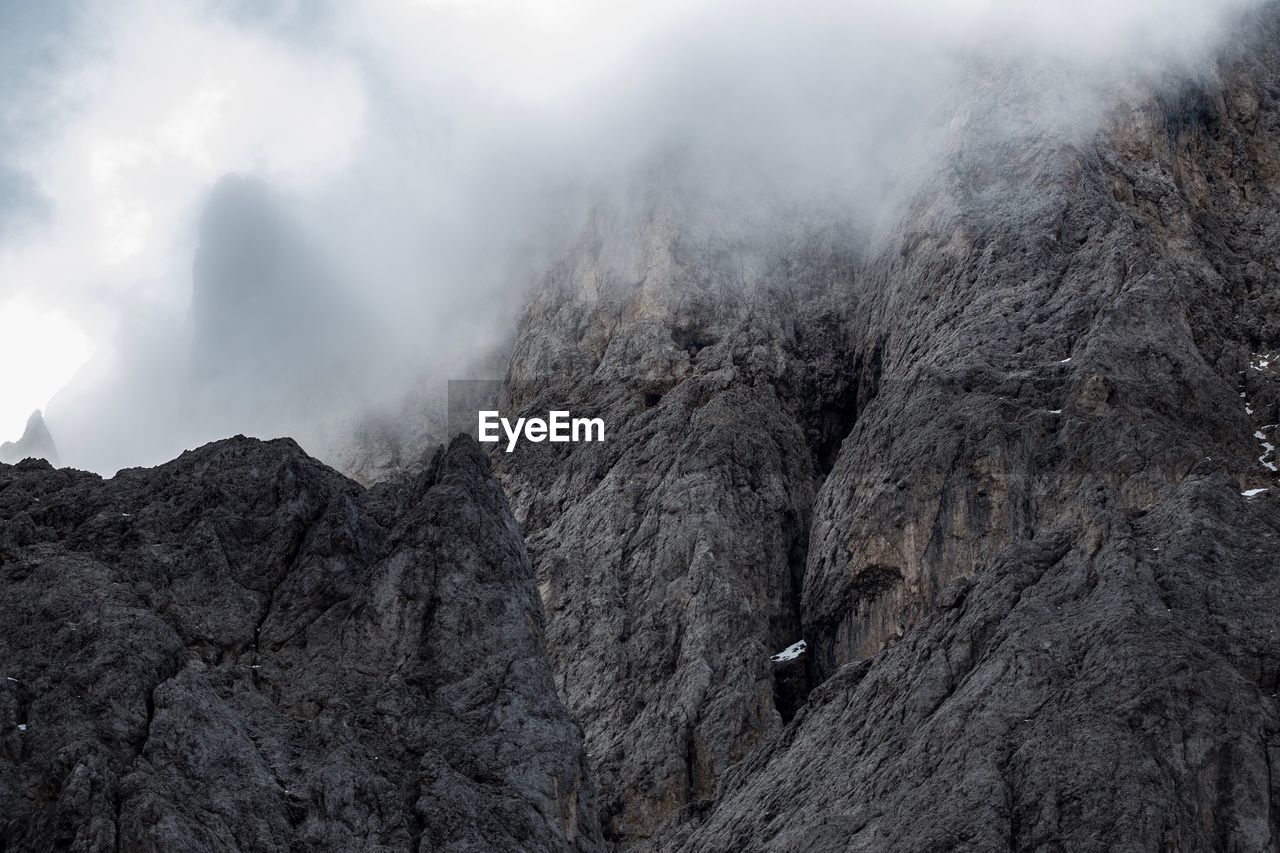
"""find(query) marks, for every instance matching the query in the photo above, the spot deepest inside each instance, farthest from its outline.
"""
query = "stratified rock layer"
(243, 650)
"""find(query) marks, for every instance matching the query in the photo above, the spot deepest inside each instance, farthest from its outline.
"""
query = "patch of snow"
(1267, 449)
(1055, 411)
(22, 727)
(791, 652)
(1248, 410)
(1252, 493)
(1065, 360)
(1258, 434)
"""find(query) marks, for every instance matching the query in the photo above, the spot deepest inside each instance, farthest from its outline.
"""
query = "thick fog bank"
(403, 172)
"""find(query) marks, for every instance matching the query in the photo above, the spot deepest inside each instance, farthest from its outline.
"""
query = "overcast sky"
(424, 136)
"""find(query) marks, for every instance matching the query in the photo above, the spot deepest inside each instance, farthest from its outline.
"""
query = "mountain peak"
(36, 442)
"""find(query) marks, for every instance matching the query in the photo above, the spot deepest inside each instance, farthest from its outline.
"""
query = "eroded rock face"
(998, 466)
(670, 556)
(1082, 319)
(243, 650)
(1007, 468)
(1041, 582)
(1110, 683)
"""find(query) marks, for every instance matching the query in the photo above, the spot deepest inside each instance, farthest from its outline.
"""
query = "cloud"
(433, 153)
(154, 103)
(31, 369)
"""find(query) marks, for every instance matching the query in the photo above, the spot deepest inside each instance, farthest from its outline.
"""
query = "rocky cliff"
(243, 650)
(952, 531)
(672, 555)
(1007, 467)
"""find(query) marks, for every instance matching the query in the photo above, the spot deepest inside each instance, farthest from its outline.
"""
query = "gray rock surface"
(1006, 463)
(999, 465)
(243, 650)
(35, 443)
(670, 556)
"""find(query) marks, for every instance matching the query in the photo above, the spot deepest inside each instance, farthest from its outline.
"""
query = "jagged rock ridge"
(1008, 469)
(243, 650)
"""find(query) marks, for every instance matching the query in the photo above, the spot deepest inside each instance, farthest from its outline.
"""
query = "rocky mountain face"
(954, 533)
(243, 650)
(35, 443)
(1008, 468)
(672, 555)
